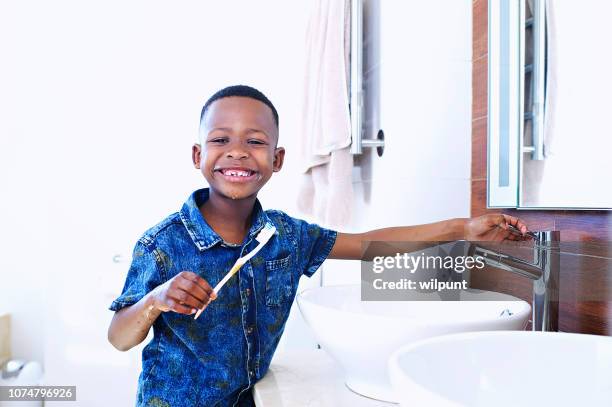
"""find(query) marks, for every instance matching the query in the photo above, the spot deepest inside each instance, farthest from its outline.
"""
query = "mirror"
(548, 84)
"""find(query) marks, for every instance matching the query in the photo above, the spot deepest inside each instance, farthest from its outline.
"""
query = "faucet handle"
(544, 238)
(517, 232)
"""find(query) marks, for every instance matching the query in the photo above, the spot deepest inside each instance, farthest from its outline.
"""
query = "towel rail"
(537, 87)
(539, 78)
(358, 143)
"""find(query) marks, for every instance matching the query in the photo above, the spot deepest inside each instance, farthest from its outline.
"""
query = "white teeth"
(236, 173)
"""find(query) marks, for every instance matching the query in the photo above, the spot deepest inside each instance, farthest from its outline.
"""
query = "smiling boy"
(216, 359)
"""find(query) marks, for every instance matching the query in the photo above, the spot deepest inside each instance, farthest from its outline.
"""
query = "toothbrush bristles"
(266, 232)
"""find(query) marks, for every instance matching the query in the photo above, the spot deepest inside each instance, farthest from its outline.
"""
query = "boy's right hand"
(185, 293)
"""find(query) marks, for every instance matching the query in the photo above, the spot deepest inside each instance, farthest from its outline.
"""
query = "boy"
(216, 359)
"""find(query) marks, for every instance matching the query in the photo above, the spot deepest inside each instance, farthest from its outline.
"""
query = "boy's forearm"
(420, 236)
(131, 325)
(447, 230)
(354, 246)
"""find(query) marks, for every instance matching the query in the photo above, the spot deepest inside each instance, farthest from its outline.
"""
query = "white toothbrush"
(262, 237)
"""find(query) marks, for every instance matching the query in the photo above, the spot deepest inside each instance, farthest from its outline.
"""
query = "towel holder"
(358, 143)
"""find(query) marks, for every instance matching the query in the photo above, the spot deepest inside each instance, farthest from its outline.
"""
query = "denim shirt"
(216, 359)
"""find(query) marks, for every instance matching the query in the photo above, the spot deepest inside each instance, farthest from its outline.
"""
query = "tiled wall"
(586, 283)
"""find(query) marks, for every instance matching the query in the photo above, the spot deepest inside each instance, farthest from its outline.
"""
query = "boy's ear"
(279, 158)
(196, 155)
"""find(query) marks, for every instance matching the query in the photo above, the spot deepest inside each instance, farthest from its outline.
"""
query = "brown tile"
(585, 291)
(585, 278)
(535, 220)
(581, 226)
(501, 281)
(585, 298)
(479, 28)
(478, 202)
(575, 226)
(588, 317)
(593, 248)
(596, 317)
(479, 87)
(479, 149)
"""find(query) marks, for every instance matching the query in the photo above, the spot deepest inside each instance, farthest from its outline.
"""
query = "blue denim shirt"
(214, 360)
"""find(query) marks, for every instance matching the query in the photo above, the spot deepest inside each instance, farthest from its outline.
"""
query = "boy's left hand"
(494, 227)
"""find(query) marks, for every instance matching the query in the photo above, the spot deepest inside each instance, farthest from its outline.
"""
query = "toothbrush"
(262, 237)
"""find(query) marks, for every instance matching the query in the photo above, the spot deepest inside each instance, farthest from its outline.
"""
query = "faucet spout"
(509, 263)
(544, 271)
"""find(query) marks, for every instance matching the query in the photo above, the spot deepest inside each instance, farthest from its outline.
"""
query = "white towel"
(327, 191)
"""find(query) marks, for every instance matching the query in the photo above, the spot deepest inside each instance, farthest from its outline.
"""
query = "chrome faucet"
(544, 271)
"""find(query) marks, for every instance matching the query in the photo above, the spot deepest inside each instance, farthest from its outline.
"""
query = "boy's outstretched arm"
(492, 227)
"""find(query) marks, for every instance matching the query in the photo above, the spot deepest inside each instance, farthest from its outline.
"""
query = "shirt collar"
(200, 231)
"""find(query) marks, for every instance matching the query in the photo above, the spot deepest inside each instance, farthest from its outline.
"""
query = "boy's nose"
(236, 149)
(236, 152)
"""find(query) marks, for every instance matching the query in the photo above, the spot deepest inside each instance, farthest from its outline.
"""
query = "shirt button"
(251, 373)
(247, 291)
(250, 329)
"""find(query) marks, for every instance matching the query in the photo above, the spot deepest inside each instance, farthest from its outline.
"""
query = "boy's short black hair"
(240, 90)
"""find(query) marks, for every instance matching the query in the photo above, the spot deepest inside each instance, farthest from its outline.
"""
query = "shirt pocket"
(279, 281)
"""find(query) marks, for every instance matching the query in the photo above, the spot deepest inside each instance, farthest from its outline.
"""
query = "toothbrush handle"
(239, 263)
(229, 275)
(221, 283)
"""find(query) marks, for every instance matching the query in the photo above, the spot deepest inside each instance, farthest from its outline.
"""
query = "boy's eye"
(223, 140)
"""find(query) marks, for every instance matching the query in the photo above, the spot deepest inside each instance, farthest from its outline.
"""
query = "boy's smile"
(238, 174)
(238, 153)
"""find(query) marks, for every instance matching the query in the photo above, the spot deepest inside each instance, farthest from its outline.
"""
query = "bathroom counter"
(307, 378)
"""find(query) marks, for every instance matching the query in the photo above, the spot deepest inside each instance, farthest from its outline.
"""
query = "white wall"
(419, 57)
(100, 103)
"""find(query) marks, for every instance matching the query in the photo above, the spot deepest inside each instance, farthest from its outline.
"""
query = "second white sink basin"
(361, 336)
(484, 369)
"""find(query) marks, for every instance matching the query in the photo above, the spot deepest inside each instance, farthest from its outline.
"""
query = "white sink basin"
(505, 369)
(361, 336)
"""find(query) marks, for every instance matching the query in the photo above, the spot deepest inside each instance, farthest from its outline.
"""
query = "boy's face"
(238, 133)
